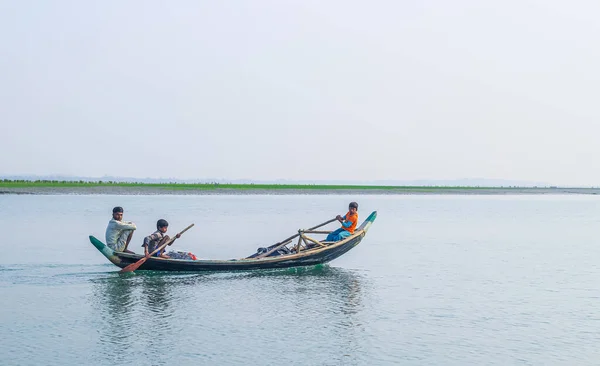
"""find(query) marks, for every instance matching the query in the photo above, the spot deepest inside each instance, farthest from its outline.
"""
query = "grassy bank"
(220, 186)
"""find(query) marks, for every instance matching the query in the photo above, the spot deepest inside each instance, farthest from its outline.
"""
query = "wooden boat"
(306, 251)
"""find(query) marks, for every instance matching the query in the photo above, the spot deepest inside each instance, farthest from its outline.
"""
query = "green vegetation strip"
(212, 186)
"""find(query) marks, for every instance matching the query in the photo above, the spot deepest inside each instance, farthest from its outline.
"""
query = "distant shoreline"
(119, 188)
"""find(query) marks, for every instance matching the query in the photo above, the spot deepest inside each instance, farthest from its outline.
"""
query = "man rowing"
(348, 222)
(119, 232)
(157, 239)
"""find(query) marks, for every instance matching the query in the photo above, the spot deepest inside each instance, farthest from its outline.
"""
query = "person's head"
(353, 207)
(162, 225)
(118, 213)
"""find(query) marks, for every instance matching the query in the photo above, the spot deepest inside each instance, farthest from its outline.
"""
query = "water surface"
(439, 280)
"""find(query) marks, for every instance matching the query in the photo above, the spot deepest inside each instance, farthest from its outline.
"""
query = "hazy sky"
(312, 90)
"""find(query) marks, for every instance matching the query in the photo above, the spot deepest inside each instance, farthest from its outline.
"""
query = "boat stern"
(105, 250)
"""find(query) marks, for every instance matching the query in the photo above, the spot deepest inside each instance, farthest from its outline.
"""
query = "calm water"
(439, 280)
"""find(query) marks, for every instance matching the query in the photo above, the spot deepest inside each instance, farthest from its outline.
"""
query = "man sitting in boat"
(119, 232)
(158, 238)
(348, 221)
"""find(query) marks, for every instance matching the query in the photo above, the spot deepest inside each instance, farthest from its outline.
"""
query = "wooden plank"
(304, 241)
(299, 244)
(313, 240)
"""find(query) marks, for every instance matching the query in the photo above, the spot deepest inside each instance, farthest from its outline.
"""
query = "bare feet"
(164, 256)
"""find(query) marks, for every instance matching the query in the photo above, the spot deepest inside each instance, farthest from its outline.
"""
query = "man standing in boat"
(348, 222)
(119, 232)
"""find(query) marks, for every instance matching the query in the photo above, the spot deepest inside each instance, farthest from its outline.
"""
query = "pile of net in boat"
(178, 254)
(280, 251)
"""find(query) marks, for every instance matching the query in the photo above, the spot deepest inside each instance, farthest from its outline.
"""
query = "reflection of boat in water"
(306, 252)
(195, 316)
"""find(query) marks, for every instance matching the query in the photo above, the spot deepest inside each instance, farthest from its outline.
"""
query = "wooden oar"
(287, 240)
(133, 266)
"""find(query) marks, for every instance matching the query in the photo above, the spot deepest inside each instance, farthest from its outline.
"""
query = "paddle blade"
(133, 266)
